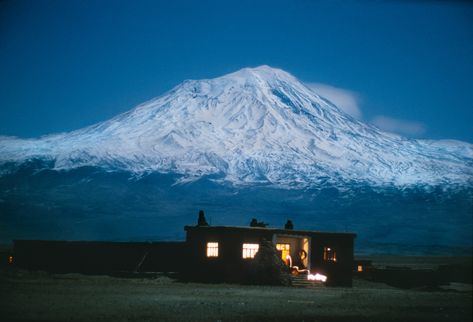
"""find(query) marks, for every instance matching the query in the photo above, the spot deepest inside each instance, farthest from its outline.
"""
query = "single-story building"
(224, 252)
(217, 253)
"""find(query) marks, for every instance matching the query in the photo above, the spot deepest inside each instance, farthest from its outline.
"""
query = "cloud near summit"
(406, 127)
(349, 101)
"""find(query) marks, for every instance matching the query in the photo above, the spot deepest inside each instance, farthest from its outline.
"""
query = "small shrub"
(267, 268)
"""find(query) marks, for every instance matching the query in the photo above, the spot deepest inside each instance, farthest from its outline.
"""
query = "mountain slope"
(254, 126)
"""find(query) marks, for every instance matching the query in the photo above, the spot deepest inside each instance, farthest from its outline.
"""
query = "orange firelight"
(10, 260)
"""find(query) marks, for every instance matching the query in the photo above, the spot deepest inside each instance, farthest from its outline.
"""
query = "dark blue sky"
(68, 64)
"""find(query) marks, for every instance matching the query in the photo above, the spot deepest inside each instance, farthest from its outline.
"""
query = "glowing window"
(360, 268)
(285, 250)
(212, 249)
(250, 250)
(330, 255)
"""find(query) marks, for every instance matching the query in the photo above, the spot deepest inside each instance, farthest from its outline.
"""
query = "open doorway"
(294, 251)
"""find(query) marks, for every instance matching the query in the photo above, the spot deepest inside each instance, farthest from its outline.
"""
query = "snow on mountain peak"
(263, 72)
(256, 125)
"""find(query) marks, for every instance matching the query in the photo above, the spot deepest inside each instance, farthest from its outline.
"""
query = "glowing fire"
(317, 277)
(10, 260)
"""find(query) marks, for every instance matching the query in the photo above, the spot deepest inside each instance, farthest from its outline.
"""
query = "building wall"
(98, 257)
(229, 265)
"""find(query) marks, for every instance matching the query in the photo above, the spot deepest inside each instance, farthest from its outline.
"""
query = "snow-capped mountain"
(257, 125)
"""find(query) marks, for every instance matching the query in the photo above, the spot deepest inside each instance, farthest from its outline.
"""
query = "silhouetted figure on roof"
(289, 225)
(202, 221)
(256, 223)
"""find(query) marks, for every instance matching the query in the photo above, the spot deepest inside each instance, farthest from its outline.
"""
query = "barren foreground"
(33, 296)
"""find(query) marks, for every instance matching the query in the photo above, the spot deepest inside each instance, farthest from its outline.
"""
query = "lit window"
(285, 250)
(360, 268)
(212, 249)
(330, 255)
(250, 250)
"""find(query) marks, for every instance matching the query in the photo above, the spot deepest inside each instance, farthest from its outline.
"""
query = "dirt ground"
(36, 296)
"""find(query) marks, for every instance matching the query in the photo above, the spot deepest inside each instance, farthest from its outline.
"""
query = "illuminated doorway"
(294, 250)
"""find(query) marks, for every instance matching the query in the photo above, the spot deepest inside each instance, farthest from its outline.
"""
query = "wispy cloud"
(350, 102)
(410, 128)
(347, 100)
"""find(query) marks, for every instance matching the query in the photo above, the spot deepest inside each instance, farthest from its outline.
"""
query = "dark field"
(37, 296)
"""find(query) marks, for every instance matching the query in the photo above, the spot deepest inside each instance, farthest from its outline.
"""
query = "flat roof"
(270, 229)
